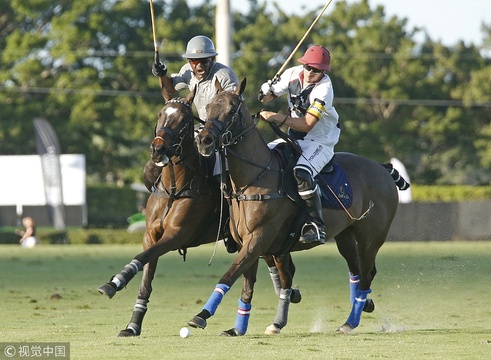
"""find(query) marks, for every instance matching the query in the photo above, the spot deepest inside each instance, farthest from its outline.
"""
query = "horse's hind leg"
(286, 270)
(296, 296)
(140, 308)
(348, 249)
(360, 257)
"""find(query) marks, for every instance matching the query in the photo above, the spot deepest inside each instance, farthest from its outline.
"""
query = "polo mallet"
(155, 44)
(163, 90)
(280, 71)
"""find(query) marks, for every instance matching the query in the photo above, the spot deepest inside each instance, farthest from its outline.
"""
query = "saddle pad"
(339, 184)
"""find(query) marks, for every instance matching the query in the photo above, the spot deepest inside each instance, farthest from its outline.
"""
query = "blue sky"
(445, 20)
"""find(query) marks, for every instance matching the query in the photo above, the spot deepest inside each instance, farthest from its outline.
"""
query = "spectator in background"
(28, 235)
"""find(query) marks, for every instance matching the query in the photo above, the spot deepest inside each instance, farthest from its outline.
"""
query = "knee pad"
(305, 182)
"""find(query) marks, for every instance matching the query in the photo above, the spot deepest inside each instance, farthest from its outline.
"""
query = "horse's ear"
(191, 95)
(242, 87)
(218, 86)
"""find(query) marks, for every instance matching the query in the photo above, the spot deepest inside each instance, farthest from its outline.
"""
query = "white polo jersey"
(315, 99)
(318, 104)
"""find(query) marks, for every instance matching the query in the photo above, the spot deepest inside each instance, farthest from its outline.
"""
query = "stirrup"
(312, 233)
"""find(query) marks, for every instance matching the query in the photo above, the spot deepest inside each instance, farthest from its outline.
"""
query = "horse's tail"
(401, 183)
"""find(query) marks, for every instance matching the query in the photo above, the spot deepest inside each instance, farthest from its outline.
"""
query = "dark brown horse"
(183, 210)
(263, 214)
(182, 195)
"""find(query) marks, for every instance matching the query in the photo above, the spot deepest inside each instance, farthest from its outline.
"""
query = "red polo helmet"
(318, 57)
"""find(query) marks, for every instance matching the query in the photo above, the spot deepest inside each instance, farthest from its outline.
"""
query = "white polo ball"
(185, 332)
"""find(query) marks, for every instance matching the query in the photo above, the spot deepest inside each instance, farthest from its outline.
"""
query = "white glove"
(266, 88)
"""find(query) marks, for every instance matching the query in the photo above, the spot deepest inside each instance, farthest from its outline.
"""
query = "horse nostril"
(160, 150)
(207, 141)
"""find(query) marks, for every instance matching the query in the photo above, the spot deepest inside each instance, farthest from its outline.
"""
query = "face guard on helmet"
(317, 57)
(200, 47)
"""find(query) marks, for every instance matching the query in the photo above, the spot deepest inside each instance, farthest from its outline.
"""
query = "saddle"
(336, 191)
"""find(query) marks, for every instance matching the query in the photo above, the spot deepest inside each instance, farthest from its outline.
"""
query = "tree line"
(85, 67)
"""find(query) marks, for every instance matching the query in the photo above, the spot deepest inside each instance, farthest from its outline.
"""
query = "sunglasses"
(199, 61)
(314, 70)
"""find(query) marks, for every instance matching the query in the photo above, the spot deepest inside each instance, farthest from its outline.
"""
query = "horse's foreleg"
(245, 303)
(208, 310)
(120, 280)
(153, 250)
(140, 308)
(286, 269)
(247, 257)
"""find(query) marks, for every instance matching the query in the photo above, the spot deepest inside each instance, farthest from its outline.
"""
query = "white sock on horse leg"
(275, 278)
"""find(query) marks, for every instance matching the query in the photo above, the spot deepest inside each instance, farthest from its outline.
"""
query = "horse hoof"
(107, 289)
(127, 333)
(369, 306)
(197, 322)
(231, 332)
(295, 296)
(345, 329)
(272, 330)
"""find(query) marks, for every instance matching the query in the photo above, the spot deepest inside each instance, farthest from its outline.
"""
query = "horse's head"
(174, 126)
(225, 120)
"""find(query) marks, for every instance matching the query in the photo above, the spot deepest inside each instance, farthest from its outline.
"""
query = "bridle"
(222, 132)
(174, 148)
(223, 137)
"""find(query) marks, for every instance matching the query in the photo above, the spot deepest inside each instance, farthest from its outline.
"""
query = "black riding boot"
(314, 231)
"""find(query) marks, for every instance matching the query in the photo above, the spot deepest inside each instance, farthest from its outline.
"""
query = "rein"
(226, 139)
(224, 134)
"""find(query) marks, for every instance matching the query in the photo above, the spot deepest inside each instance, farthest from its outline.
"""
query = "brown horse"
(183, 194)
(183, 210)
(263, 213)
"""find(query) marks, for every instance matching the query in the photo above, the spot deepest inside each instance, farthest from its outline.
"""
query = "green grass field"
(431, 302)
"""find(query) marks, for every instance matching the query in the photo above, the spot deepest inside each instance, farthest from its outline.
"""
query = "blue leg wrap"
(358, 305)
(216, 298)
(354, 281)
(243, 314)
